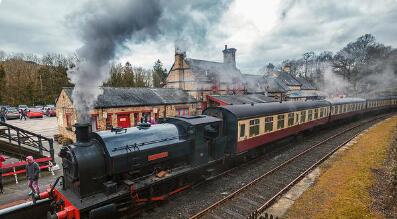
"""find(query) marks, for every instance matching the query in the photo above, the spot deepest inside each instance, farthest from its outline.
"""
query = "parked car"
(50, 111)
(12, 113)
(34, 113)
(23, 107)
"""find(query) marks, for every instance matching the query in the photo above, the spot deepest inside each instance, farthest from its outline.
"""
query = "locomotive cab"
(205, 133)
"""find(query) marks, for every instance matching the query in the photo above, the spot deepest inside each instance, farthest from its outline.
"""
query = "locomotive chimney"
(83, 131)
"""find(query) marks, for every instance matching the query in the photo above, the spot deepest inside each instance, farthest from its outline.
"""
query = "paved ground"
(17, 193)
(46, 126)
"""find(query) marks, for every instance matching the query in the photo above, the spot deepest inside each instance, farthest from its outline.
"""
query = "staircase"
(19, 143)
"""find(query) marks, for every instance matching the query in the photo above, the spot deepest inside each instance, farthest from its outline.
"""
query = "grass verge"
(343, 189)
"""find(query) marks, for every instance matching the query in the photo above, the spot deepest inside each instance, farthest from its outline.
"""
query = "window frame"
(309, 115)
(315, 115)
(267, 123)
(289, 124)
(254, 128)
(279, 121)
(242, 130)
(303, 116)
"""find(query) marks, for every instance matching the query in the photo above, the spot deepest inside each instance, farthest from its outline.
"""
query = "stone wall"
(64, 109)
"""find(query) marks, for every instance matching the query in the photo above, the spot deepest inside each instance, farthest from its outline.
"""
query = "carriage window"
(242, 130)
(280, 121)
(303, 116)
(269, 124)
(297, 118)
(290, 119)
(309, 115)
(254, 127)
(315, 113)
(322, 112)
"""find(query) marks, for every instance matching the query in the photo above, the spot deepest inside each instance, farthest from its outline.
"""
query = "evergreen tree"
(159, 74)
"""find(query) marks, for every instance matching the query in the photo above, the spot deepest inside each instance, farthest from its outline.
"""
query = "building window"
(254, 127)
(310, 115)
(290, 119)
(242, 130)
(322, 112)
(315, 113)
(303, 116)
(280, 121)
(269, 124)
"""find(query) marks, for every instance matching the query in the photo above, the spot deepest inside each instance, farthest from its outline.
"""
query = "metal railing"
(24, 139)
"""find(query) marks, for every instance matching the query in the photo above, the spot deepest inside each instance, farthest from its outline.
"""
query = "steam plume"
(105, 27)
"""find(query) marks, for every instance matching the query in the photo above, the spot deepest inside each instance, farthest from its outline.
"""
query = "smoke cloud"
(334, 85)
(105, 26)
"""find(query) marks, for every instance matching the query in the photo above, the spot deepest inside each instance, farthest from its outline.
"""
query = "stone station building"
(125, 107)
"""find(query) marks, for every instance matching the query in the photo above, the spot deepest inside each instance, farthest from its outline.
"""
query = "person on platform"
(3, 114)
(24, 113)
(2, 159)
(32, 173)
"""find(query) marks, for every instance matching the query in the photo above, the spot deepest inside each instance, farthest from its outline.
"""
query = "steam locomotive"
(117, 172)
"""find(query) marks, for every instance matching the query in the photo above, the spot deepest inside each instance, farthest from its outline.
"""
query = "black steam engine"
(121, 169)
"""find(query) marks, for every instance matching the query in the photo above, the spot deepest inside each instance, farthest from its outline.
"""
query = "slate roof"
(287, 78)
(205, 70)
(306, 85)
(123, 97)
(263, 84)
(243, 99)
(255, 83)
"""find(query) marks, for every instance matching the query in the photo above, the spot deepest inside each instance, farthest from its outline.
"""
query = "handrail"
(24, 138)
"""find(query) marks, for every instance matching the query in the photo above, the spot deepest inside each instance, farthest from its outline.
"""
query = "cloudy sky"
(261, 31)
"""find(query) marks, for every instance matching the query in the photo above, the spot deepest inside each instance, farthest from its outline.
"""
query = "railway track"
(255, 197)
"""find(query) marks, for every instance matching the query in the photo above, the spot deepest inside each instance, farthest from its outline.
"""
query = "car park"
(12, 113)
(35, 113)
(50, 111)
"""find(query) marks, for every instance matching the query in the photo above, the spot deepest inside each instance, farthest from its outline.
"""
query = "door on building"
(123, 120)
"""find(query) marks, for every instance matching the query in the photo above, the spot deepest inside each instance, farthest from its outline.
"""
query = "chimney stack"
(180, 55)
(229, 56)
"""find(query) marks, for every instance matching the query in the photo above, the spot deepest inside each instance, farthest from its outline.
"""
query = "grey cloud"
(324, 25)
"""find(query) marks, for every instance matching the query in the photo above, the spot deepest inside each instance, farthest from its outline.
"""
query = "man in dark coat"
(32, 173)
(3, 114)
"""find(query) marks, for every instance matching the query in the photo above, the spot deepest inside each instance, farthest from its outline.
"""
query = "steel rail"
(248, 185)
